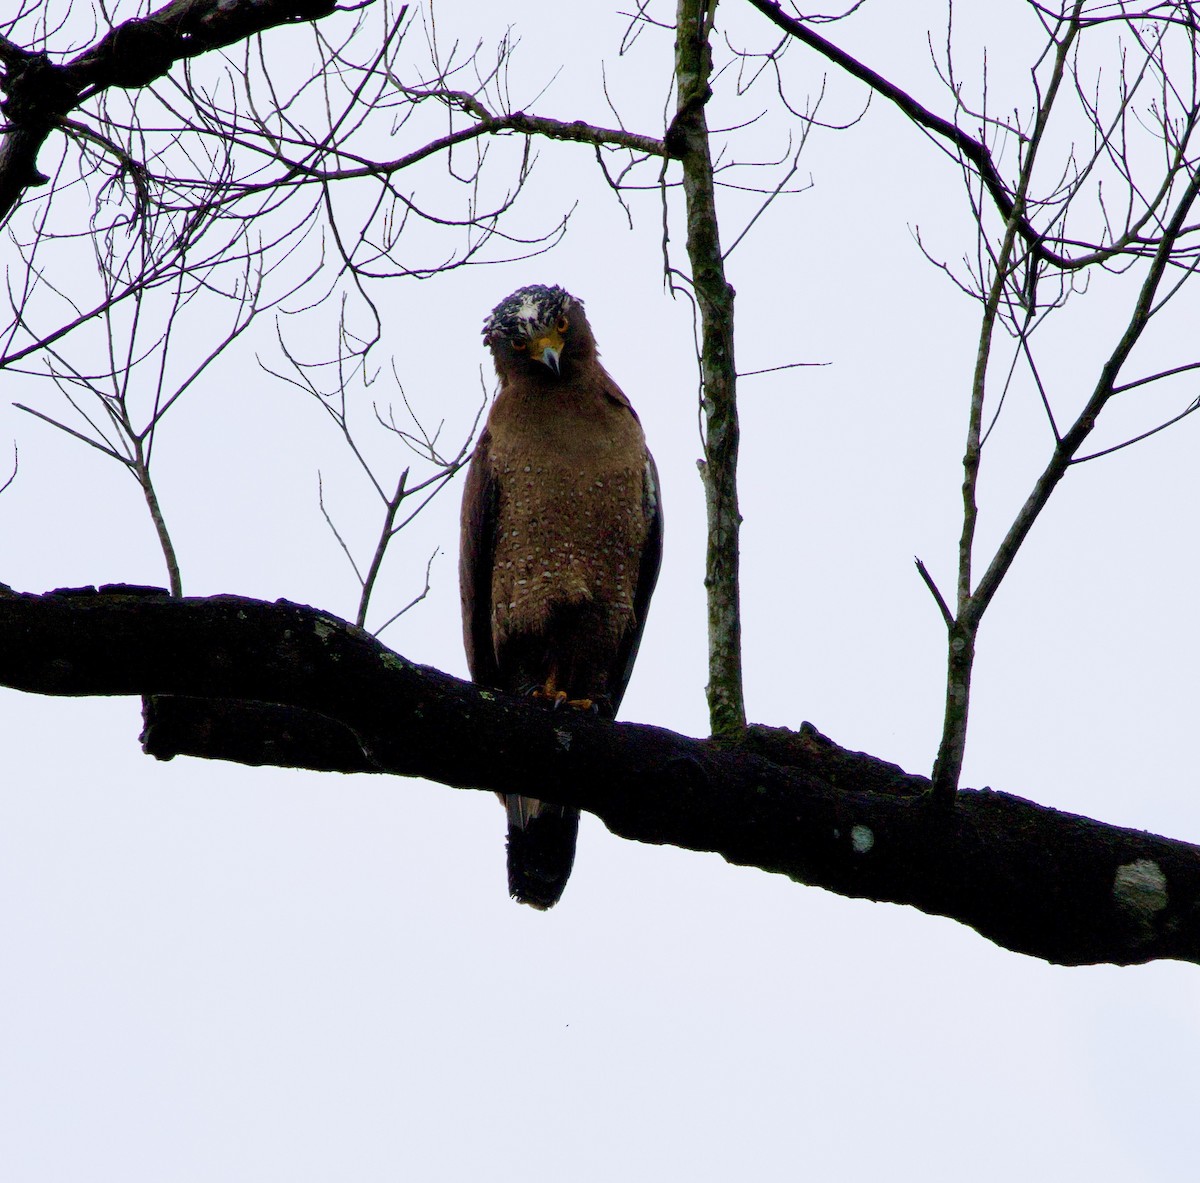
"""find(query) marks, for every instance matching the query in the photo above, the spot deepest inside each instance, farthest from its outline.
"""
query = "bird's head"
(535, 327)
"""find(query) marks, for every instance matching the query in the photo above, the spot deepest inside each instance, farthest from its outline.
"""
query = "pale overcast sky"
(220, 973)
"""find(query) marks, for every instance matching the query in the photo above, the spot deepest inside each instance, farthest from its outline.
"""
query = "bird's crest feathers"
(527, 310)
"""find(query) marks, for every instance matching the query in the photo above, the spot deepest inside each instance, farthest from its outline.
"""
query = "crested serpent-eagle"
(561, 543)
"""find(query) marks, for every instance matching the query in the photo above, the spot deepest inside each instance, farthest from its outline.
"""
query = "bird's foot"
(555, 698)
(550, 693)
(578, 704)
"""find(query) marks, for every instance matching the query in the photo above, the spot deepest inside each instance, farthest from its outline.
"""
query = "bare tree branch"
(963, 629)
(134, 54)
(976, 152)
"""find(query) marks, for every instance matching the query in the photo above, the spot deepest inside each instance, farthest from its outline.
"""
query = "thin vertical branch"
(12, 476)
(688, 141)
(160, 528)
(963, 629)
(385, 536)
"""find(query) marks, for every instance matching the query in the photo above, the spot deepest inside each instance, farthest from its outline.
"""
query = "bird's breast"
(568, 532)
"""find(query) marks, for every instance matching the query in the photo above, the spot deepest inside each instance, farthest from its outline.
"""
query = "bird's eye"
(563, 324)
(520, 344)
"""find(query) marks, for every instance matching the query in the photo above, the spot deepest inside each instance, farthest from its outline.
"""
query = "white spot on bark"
(861, 839)
(564, 739)
(1140, 889)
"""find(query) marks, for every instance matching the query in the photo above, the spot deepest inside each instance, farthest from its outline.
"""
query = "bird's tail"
(541, 849)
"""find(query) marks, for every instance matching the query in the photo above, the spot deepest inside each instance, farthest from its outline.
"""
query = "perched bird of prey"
(561, 542)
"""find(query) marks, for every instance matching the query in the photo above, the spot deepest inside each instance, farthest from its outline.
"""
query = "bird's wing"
(648, 565)
(476, 557)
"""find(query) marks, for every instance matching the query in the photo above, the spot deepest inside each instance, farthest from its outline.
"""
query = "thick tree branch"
(297, 687)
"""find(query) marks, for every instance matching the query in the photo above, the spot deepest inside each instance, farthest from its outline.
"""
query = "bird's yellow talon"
(551, 693)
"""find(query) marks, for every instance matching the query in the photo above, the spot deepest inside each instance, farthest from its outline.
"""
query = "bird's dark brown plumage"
(561, 543)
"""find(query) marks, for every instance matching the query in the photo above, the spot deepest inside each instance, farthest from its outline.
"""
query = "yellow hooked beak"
(547, 348)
